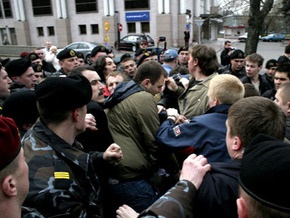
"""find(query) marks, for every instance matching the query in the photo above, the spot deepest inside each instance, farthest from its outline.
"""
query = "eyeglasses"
(142, 43)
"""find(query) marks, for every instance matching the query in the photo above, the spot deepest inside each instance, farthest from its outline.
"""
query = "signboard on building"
(137, 16)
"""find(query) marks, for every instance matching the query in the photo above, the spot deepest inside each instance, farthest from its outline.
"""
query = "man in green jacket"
(203, 65)
(133, 121)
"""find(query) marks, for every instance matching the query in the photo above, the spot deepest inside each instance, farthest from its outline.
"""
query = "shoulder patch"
(176, 131)
(61, 175)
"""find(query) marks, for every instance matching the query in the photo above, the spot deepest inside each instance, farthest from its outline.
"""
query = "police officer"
(67, 60)
(63, 179)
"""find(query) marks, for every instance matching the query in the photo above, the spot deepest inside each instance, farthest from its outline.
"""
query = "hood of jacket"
(122, 91)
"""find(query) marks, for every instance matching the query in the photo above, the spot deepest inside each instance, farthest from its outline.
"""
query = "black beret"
(265, 172)
(80, 55)
(183, 48)
(142, 58)
(140, 51)
(17, 67)
(36, 67)
(33, 56)
(237, 54)
(21, 106)
(125, 56)
(271, 63)
(64, 93)
(97, 49)
(66, 53)
(4, 61)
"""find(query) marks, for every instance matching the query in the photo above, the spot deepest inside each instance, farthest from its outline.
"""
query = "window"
(41, 7)
(95, 28)
(50, 30)
(145, 27)
(40, 31)
(6, 8)
(83, 29)
(86, 6)
(136, 4)
(131, 27)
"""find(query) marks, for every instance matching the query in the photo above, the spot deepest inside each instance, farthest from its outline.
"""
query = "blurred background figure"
(51, 57)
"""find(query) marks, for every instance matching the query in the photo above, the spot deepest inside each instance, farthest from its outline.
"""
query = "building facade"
(32, 22)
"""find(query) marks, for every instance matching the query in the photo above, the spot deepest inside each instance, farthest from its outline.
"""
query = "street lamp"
(199, 23)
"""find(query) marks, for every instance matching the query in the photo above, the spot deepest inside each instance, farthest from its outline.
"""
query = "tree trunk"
(256, 20)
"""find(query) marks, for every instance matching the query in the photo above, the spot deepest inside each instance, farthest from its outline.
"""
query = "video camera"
(162, 38)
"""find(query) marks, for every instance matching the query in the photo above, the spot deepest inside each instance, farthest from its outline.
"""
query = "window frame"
(137, 3)
(88, 4)
(41, 8)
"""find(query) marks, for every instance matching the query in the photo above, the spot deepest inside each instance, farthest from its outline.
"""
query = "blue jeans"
(138, 194)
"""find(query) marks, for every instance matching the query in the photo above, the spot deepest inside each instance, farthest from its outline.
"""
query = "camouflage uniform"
(62, 177)
(30, 213)
(176, 202)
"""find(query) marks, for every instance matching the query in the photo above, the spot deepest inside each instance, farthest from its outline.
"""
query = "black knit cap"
(64, 93)
(271, 63)
(66, 53)
(17, 67)
(265, 172)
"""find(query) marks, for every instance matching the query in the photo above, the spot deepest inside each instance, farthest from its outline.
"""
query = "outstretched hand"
(194, 168)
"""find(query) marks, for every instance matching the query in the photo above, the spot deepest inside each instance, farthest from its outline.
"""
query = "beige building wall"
(172, 24)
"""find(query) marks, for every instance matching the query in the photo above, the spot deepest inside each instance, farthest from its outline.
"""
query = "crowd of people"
(161, 133)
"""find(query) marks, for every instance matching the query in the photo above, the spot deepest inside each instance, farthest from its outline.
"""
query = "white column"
(207, 7)
(16, 9)
(197, 8)
(21, 10)
(106, 7)
(160, 6)
(58, 10)
(111, 8)
(182, 7)
(63, 8)
(166, 6)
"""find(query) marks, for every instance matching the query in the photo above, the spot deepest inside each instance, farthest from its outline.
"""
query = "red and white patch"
(176, 131)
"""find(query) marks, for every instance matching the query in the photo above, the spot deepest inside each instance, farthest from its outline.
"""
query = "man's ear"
(60, 63)
(237, 145)
(9, 186)
(216, 101)
(76, 115)
(146, 83)
(288, 108)
(14, 78)
(195, 62)
(242, 208)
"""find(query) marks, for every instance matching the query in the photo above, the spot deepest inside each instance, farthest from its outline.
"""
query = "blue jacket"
(206, 133)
